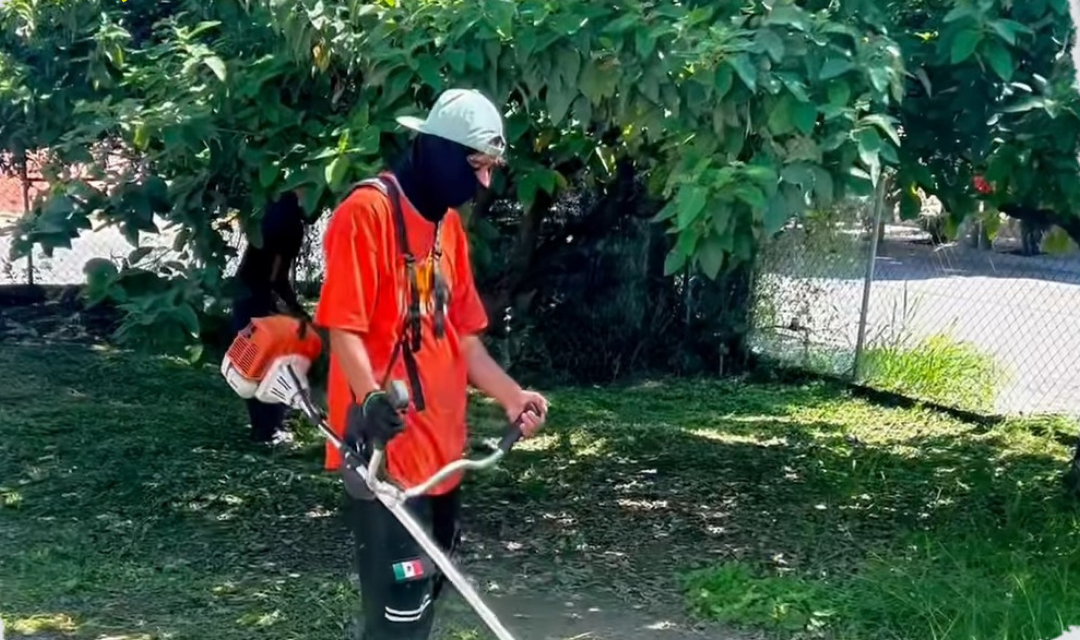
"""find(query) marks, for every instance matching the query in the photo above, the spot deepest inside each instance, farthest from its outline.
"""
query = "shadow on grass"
(133, 503)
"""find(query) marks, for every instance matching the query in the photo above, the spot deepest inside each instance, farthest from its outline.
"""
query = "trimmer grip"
(514, 433)
(510, 438)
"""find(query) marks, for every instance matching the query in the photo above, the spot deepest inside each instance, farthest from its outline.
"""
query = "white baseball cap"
(464, 116)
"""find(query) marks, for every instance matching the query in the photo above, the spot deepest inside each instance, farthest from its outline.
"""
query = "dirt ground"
(541, 616)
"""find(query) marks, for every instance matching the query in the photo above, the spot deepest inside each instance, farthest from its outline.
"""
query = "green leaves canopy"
(742, 115)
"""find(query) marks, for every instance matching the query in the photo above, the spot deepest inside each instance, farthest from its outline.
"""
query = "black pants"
(399, 583)
(266, 419)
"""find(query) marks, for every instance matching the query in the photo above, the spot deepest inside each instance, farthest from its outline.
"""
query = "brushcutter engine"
(269, 361)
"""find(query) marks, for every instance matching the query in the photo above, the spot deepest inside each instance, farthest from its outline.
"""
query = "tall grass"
(937, 369)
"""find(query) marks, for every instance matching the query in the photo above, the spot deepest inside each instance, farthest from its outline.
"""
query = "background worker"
(266, 289)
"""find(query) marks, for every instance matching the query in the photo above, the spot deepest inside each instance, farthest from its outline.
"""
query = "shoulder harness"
(411, 332)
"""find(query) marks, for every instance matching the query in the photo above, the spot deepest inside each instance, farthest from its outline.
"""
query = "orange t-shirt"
(366, 291)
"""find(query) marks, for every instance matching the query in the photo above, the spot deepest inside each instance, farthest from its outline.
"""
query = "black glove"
(374, 420)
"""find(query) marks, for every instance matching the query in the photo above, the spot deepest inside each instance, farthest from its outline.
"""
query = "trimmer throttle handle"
(513, 434)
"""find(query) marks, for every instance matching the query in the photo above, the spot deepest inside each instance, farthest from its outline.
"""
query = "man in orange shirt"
(399, 302)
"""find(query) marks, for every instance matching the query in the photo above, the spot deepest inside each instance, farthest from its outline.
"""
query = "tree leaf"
(834, 67)
(772, 43)
(268, 172)
(527, 188)
(644, 42)
(780, 116)
(1057, 242)
(687, 241)
(692, 200)
(216, 65)
(137, 255)
(776, 214)
(1007, 30)
(910, 204)
(568, 63)
(746, 70)
(798, 173)
(335, 171)
(1025, 104)
(959, 12)
(839, 92)
(559, 99)
(869, 143)
(788, 15)
(456, 59)
(751, 195)
(596, 83)
(884, 125)
(920, 73)
(804, 116)
(964, 44)
(430, 71)
(724, 81)
(187, 317)
(622, 24)
(710, 256)
(1001, 61)
(674, 262)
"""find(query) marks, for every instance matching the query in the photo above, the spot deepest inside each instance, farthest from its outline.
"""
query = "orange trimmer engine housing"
(263, 342)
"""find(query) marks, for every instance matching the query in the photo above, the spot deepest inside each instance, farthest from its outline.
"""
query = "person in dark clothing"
(264, 281)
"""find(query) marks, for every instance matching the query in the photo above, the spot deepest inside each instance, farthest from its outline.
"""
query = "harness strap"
(411, 330)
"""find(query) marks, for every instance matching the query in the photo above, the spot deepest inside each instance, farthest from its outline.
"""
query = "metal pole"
(860, 343)
(24, 179)
(395, 502)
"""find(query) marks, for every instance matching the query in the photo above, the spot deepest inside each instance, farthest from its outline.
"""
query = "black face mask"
(435, 175)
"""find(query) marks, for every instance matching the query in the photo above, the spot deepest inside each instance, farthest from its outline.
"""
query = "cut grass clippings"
(133, 507)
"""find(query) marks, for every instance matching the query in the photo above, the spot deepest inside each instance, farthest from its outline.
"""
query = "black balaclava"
(435, 175)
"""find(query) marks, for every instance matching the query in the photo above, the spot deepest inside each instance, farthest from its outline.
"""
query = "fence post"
(879, 212)
(24, 182)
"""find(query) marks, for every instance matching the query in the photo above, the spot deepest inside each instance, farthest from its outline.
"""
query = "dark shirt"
(282, 236)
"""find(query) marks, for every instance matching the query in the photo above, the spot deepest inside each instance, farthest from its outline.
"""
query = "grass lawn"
(131, 507)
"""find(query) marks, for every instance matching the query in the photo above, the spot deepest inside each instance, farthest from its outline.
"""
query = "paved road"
(1023, 311)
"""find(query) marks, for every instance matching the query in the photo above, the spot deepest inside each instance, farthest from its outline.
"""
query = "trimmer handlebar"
(398, 393)
(263, 363)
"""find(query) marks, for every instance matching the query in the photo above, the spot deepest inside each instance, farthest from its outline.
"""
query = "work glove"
(374, 420)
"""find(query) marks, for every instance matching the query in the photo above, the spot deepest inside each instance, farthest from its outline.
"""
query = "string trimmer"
(269, 361)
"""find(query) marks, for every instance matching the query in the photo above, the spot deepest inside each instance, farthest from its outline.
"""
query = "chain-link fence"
(982, 328)
(66, 265)
(977, 327)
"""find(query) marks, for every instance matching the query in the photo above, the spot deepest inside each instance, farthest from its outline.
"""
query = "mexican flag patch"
(408, 570)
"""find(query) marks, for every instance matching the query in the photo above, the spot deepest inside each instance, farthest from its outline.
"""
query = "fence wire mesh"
(66, 265)
(976, 325)
(973, 324)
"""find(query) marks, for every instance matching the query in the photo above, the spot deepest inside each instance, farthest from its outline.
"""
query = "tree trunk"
(521, 259)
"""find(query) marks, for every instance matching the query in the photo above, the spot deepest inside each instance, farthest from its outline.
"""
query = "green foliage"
(738, 117)
(990, 91)
(937, 369)
(741, 116)
(734, 593)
